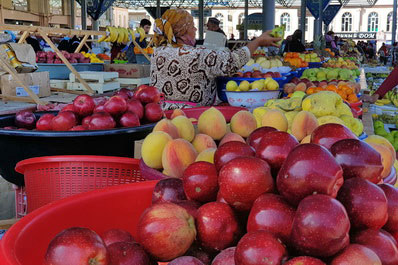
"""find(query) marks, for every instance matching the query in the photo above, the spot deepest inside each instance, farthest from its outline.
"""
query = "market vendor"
(146, 25)
(389, 83)
(186, 74)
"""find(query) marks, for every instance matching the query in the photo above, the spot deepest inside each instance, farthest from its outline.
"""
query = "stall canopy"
(95, 8)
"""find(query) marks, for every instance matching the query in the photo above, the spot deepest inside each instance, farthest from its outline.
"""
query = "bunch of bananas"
(390, 97)
(122, 35)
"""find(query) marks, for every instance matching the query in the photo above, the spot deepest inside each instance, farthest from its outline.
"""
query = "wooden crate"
(100, 88)
(99, 77)
(133, 82)
(61, 84)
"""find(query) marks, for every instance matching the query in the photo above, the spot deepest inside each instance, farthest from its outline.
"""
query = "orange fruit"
(311, 90)
(352, 98)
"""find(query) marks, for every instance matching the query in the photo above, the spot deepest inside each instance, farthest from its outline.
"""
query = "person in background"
(64, 44)
(394, 53)
(73, 44)
(330, 43)
(187, 74)
(294, 44)
(32, 40)
(231, 45)
(146, 25)
(383, 54)
(213, 24)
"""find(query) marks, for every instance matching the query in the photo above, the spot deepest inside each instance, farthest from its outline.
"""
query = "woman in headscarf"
(294, 44)
(185, 74)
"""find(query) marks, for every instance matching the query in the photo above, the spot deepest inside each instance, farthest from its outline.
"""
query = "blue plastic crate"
(60, 71)
(222, 82)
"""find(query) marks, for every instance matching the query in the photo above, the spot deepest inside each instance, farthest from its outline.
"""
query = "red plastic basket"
(100, 210)
(52, 178)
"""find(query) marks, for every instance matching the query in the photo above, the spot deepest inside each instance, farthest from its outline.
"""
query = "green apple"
(231, 86)
(257, 85)
(244, 86)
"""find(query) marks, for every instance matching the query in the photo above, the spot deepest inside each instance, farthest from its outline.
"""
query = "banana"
(141, 31)
(120, 35)
(126, 35)
(114, 34)
(103, 38)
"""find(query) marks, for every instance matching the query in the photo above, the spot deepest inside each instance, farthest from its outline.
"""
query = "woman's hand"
(267, 40)
(369, 98)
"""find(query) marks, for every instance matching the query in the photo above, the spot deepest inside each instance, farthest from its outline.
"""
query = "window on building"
(285, 19)
(220, 17)
(389, 21)
(306, 23)
(20, 5)
(240, 18)
(346, 22)
(373, 22)
(56, 7)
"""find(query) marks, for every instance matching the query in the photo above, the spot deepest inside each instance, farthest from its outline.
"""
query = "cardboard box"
(24, 53)
(129, 70)
(38, 82)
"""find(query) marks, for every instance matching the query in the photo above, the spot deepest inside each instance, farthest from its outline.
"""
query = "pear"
(272, 85)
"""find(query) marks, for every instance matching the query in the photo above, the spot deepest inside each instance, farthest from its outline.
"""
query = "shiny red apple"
(83, 105)
(148, 94)
(86, 122)
(153, 112)
(116, 106)
(365, 202)
(44, 123)
(271, 213)
(135, 106)
(304, 260)
(225, 257)
(260, 247)
(78, 128)
(229, 151)
(126, 253)
(274, 148)
(63, 121)
(101, 121)
(243, 179)
(197, 251)
(76, 245)
(381, 243)
(255, 137)
(190, 206)
(69, 107)
(330, 133)
(309, 169)
(392, 199)
(25, 119)
(217, 226)
(186, 260)
(321, 226)
(99, 108)
(356, 254)
(358, 159)
(116, 235)
(168, 190)
(166, 231)
(200, 181)
(129, 119)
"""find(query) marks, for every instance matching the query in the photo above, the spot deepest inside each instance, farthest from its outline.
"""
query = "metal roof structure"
(228, 3)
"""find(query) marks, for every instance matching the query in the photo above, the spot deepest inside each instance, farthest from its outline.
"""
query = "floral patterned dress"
(188, 74)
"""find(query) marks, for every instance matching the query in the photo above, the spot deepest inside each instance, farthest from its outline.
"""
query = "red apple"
(10, 128)
(330, 133)
(238, 74)
(99, 108)
(63, 121)
(365, 202)
(260, 247)
(129, 119)
(392, 199)
(168, 190)
(304, 260)
(320, 227)
(200, 181)
(197, 251)
(76, 245)
(101, 121)
(255, 137)
(166, 231)
(44, 123)
(86, 122)
(69, 107)
(190, 206)
(257, 75)
(220, 198)
(148, 94)
(356, 254)
(358, 159)
(217, 226)
(271, 213)
(126, 253)
(78, 128)
(247, 75)
(83, 105)
(309, 169)
(381, 243)
(116, 106)
(243, 179)
(186, 260)
(153, 112)
(25, 119)
(274, 148)
(295, 80)
(116, 235)
(316, 83)
(135, 106)
(229, 151)
(225, 257)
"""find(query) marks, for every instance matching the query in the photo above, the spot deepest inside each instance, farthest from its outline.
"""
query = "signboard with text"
(357, 35)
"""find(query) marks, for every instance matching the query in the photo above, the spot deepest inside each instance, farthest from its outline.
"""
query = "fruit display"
(392, 136)
(258, 74)
(93, 57)
(340, 63)
(329, 74)
(374, 80)
(259, 85)
(53, 58)
(258, 194)
(346, 89)
(294, 59)
(125, 109)
(263, 62)
(310, 57)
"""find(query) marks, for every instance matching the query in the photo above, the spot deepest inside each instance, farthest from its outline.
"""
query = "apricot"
(202, 142)
(177, 155)
(387, 158)
(303, 124)
(381, 140)
(229, 137)
(185, 127)
(276, 119)
(306, 140)
(152, 148)
(177, 112)
(243, 123)
(206, 155)
(167, 126)
(212, 122)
